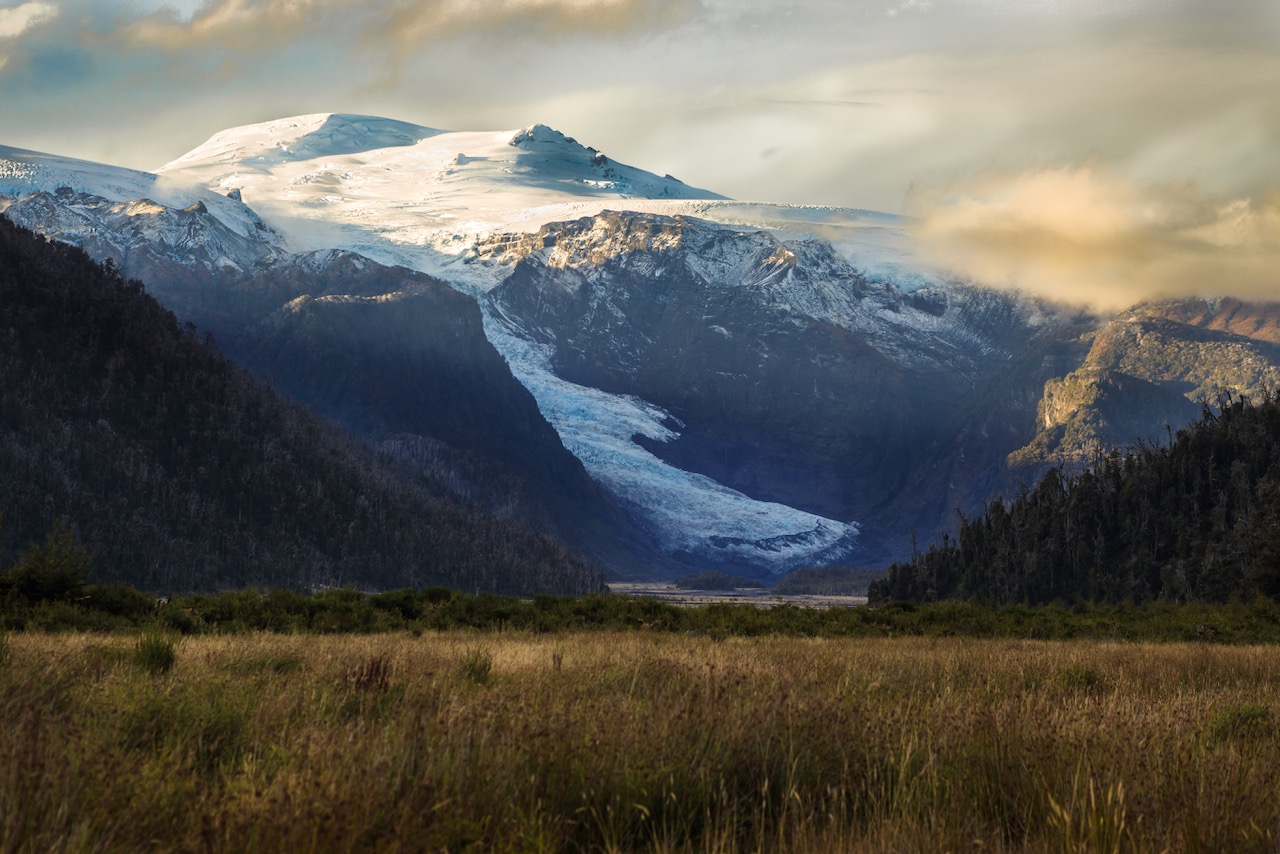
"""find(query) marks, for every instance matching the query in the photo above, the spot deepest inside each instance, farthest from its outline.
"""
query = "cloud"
(1085, 234)
(237, 25)
(399, 26)
(17, 20)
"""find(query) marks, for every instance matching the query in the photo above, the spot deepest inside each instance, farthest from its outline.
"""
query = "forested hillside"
(183, 473)
(1198, 520)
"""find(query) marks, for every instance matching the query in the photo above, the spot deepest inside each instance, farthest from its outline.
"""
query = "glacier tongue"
(697, 518)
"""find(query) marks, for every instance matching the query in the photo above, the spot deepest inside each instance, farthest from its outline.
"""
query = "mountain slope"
(1198, 520)
(1149, 372)
(231, 300)
(398, 193)
(405, 363)
(182, 473)
(25, 172)
(787, 376)
(435, 391)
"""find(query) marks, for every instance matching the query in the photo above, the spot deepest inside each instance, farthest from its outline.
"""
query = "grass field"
(634, 741)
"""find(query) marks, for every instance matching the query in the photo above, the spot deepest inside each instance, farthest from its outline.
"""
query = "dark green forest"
(124, 429)
(1198, 520)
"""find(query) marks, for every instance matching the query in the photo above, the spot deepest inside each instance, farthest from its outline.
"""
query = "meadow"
(637, 740)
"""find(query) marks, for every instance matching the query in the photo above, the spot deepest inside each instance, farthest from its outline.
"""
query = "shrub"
(1082, 678)
(433, 596)
(476, 667)
(402, 604)
(342, 610)
(53, 571)
(155, 654)
(1247, 720)
(119, 600)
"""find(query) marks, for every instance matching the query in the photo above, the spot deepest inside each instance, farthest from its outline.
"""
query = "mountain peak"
(305, 137)
(343, 174)
(540, 134)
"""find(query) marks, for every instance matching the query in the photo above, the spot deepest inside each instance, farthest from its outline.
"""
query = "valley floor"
(634, 741)
(760, 597)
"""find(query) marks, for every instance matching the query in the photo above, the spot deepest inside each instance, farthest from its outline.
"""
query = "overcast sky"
(1159, 117)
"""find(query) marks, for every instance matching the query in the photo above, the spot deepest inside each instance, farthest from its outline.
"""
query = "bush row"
(117, 607)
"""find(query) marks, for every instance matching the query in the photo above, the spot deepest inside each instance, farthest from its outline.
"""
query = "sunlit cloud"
(17, 20)
(246, 26)
(1086, 235)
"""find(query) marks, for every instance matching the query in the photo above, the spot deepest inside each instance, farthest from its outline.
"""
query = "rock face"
(1150, 372)
(794, 379)
(143, 235)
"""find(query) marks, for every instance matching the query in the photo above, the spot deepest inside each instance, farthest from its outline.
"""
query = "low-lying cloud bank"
(1086, 235)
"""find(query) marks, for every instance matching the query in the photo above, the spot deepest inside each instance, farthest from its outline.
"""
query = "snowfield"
(25, 172)
(421, 197)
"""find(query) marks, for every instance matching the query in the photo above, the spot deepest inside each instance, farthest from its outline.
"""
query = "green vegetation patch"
(1242, 721)
(155, 654)
(476, 667)
(1082, 678)
(434, 610)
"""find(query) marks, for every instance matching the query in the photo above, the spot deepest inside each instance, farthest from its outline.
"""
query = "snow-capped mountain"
(759, 386)
(122, 230)
(421, 197)
(388, 188)
(776, 367)
(468, 204)
(804, 279)
(431, 200)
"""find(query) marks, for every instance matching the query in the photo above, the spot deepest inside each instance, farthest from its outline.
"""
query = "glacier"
(693, 514)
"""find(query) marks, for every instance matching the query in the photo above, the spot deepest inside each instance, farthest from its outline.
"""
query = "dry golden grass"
(637, 741)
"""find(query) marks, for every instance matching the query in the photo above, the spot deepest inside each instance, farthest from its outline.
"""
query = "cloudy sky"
(1050, 143)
